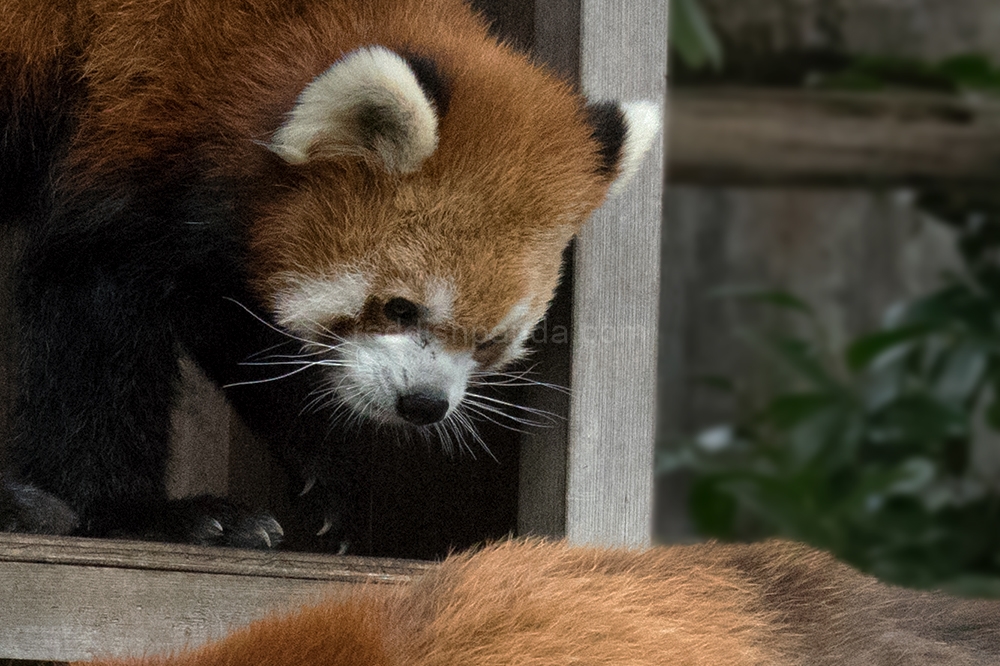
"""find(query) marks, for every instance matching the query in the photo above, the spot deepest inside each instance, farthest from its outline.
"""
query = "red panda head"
(430, 199)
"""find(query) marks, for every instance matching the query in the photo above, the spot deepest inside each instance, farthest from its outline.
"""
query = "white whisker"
(546, 415)
(250, 382)
(476, 410)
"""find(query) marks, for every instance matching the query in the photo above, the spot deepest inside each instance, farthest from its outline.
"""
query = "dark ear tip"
(609, 129)
(431, 81)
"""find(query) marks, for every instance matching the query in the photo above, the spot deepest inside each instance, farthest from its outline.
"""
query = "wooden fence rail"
(67, 599)
(760, 137)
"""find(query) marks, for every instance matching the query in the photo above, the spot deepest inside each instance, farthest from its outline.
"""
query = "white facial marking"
(643, 122)
(307, 302)
(516, 326)
(378, 369)
(328, 119)
(514, 318)
(439, 300)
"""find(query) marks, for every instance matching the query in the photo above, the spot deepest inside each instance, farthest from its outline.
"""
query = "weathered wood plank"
(616, 283)
(199, 559)
(79, 598)
(802, 138)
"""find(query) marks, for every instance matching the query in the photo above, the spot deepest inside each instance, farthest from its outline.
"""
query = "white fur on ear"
(368, 103)
(643, 122)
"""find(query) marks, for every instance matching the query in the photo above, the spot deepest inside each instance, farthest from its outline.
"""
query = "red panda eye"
(402, 311)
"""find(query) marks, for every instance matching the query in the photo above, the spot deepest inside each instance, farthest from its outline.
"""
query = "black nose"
(423, 407)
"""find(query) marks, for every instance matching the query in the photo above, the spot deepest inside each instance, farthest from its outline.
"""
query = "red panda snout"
(405, 378)
(423, 407)
(401, 355)
(396, 361)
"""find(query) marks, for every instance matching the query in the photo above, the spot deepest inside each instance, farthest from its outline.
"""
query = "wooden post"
(621, 54)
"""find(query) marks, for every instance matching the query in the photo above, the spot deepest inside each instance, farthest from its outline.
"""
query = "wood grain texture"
(616, 283)
(760, 137)
(200, 439)
(79, 598)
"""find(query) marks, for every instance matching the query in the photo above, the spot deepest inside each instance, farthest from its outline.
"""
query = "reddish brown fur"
(535, 604)
(515, 156)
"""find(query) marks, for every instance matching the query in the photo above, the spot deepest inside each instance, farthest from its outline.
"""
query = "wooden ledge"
(761, 137)
(64, 599)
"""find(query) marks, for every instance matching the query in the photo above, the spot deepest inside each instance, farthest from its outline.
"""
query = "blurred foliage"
(959, 73)
(691, 36)
(835, 70)
(868, 451)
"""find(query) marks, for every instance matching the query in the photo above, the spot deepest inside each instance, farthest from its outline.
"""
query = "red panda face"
(420, 240)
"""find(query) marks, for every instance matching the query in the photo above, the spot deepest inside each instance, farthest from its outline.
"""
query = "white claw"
(217, 526)
(327, 526)
(309, 486)
(273, 526)
(267, 537)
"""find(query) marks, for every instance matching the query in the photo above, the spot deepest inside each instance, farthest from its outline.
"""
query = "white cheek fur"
(376, 370)
(309, 300)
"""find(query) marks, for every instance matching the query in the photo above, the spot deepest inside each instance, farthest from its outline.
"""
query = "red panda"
(547, 604)
(343, 210)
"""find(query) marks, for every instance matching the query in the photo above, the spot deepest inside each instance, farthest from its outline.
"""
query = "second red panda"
(547, 604)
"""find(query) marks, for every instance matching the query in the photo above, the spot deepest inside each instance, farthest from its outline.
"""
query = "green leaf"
(796, 355)
(692, 37)
(956, 304)
(712, 510)
(884, 383)
(919, 420)
(993, 410)
(864, 351)
(972, 71)
(788, 410)
(961, 373)
(912, 477)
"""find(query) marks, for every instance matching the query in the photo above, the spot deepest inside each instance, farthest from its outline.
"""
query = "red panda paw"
(24, 508)
(213, 521)
(323, 508)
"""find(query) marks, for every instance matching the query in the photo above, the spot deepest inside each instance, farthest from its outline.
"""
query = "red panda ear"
(370, 103)
(625, 133)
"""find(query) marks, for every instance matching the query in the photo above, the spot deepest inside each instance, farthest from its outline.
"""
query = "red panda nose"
(422, 408)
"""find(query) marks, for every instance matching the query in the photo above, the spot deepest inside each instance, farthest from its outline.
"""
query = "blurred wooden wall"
(851, 252)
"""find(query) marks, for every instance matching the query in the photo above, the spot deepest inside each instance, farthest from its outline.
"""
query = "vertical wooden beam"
(591, 480)
(543, 463)
(615, 296)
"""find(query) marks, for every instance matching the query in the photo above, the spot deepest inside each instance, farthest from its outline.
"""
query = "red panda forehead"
(517, 137)
(509, 130)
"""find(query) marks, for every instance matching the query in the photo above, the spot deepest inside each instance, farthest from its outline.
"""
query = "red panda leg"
(92, 420)
(236, 345)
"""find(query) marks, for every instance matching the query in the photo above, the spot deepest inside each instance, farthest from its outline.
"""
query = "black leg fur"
(225, 336)
(112, 283)
(25, 508)
(98, 289)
